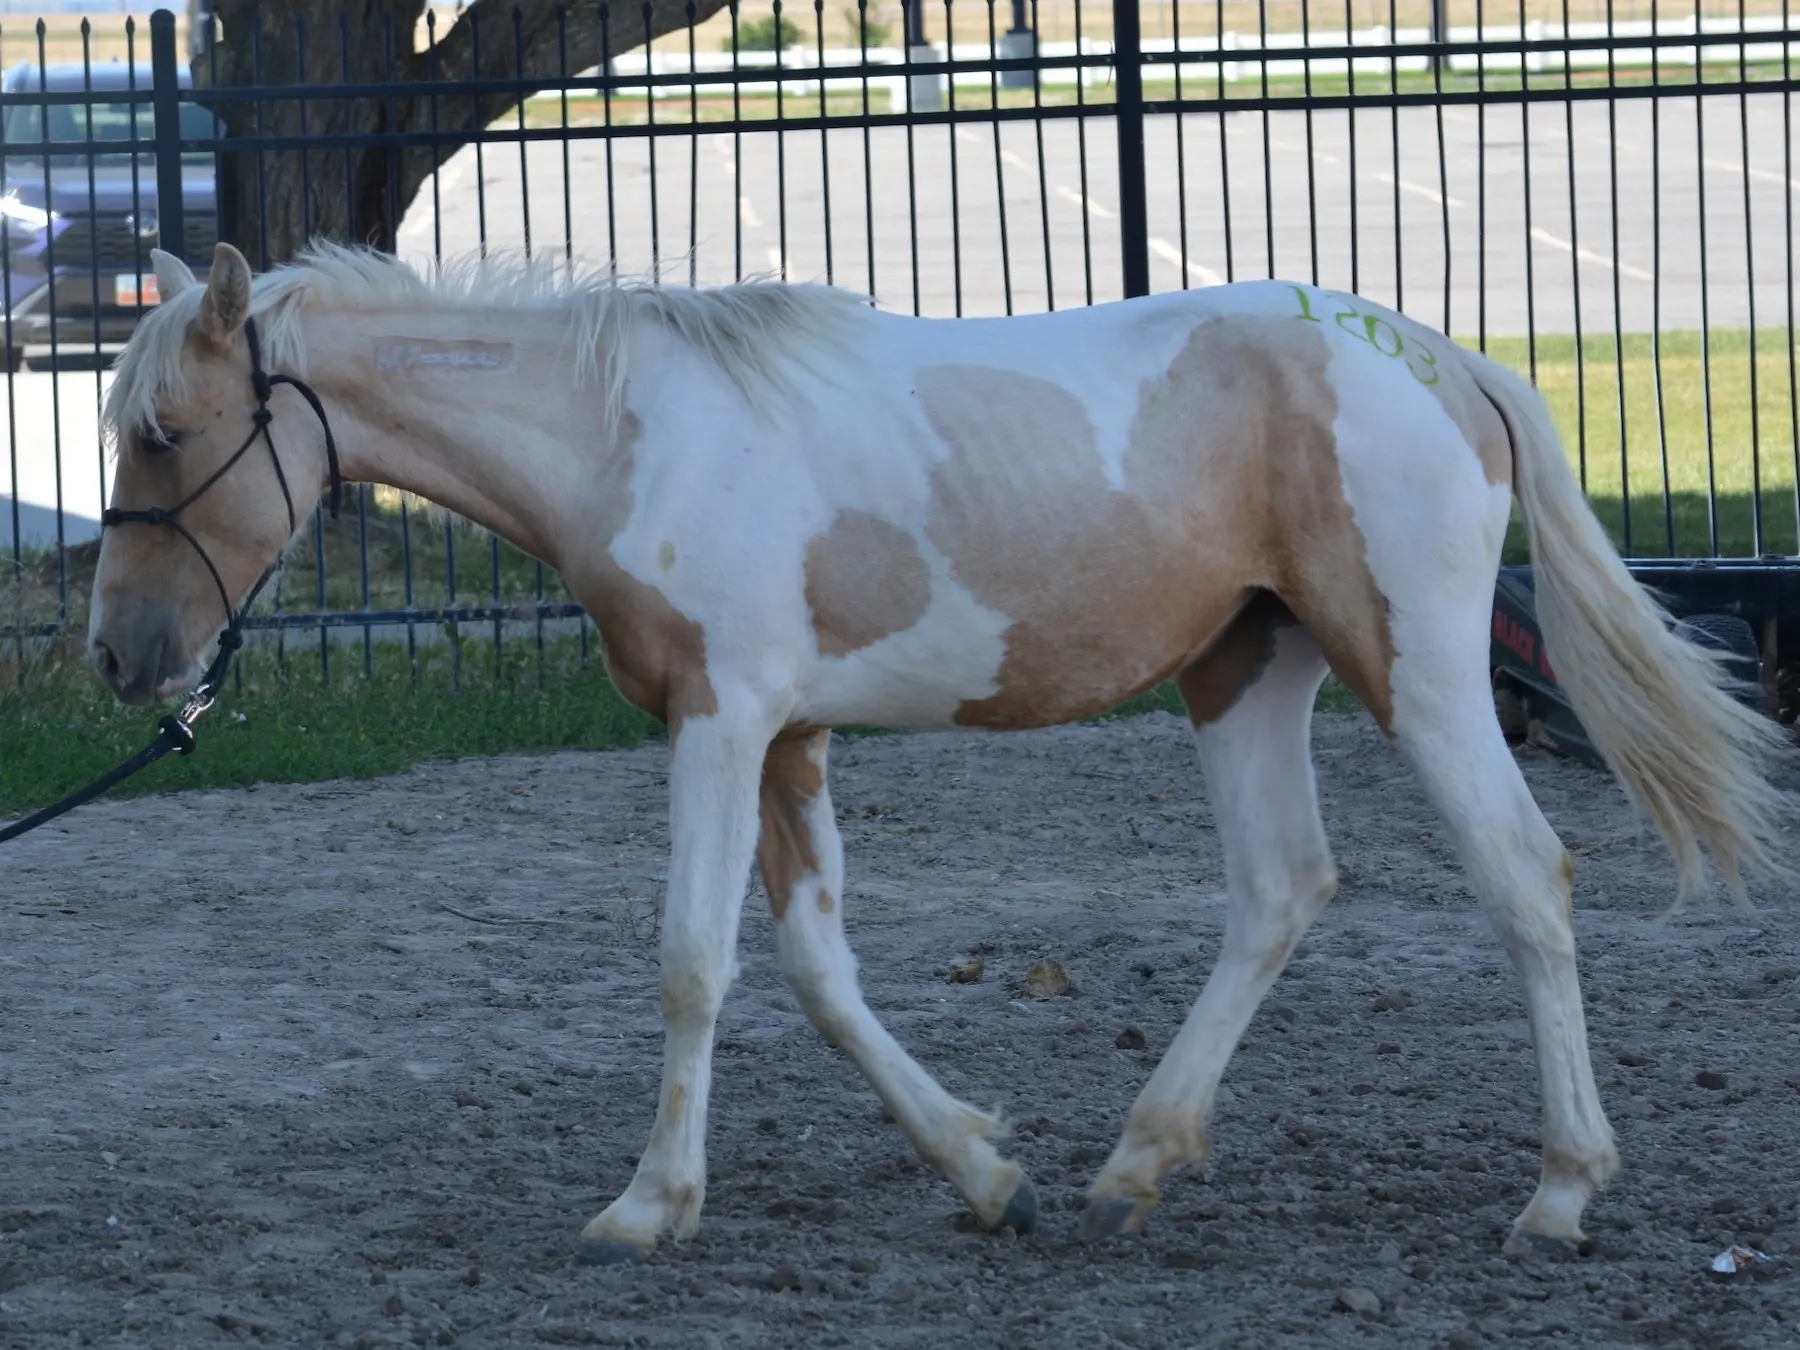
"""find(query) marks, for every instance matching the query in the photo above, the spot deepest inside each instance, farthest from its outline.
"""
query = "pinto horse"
(788, 511)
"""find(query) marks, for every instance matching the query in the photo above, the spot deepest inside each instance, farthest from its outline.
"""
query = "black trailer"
(1749, 607)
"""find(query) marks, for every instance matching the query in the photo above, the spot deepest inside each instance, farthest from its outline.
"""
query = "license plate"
(126, 290)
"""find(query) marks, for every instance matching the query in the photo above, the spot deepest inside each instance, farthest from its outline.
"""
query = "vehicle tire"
(15, 360)
(1512, 709)
(1737, 640)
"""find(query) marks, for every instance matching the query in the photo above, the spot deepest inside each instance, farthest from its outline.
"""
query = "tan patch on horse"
(1316, 554)
(1231, 483)
(1478, 420)
(655, 654)
(792, 779)
(1212, 685)
(865, 580)
(1105, 594)
(826, 902)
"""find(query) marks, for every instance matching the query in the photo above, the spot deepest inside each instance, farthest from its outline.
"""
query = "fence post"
(1134, 217)
(1019, 40)
(165, 104)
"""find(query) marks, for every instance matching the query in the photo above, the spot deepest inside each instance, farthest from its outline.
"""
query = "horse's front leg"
(716, 763)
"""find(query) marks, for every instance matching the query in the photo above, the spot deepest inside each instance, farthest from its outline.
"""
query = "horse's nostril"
(105, 661)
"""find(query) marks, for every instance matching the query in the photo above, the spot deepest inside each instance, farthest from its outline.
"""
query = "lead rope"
(176, 731)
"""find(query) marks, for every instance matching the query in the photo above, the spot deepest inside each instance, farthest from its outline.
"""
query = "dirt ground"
(352, 1064)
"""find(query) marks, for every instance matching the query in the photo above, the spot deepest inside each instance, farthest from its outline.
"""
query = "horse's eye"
(167, 443)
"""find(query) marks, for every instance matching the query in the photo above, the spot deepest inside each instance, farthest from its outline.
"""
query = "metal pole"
(1134, 223)
(165, 103)
(1017, 42)
(926, 93)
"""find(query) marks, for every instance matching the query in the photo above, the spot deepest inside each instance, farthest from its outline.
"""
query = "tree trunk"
(273, 201)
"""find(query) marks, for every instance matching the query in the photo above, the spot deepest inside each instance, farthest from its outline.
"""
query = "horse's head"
(203, 502)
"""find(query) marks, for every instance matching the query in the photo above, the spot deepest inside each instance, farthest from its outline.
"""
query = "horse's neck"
(481, 413)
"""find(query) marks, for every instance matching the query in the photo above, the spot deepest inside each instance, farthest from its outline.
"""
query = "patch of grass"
(1739, 449)
(293, 725)
(713, 103)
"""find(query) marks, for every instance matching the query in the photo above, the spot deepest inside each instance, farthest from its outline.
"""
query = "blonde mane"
(756, 332)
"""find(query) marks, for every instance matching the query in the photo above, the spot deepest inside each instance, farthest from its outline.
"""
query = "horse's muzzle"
(138, 657)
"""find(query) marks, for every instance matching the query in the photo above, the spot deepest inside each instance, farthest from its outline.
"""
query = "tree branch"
(273, 195)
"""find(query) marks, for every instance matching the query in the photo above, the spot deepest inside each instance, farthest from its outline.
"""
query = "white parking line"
(1196, 272)
(1588, 255)
(1288, 147)
(1767, 175)
(1098, 211)
(1420, 190)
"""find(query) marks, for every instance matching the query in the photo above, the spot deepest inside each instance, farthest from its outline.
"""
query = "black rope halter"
(176, 732)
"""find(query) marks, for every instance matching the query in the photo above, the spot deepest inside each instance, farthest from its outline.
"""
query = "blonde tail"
(1691, 757)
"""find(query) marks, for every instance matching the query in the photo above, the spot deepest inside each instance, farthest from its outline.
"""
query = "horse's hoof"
(1520, 1244)
(1022, 1210)
(596, 1252)
(1112, 1216)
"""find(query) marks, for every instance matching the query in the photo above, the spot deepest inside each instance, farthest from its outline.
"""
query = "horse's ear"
(227, 302)
(172, 274)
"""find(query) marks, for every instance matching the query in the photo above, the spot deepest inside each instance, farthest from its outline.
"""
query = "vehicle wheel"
(15, 360)
(1737, 640)
(1513, 711)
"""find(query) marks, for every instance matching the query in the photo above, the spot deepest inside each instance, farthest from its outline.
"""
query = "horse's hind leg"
(1250, 698)
(802, 859)
(1444, 725)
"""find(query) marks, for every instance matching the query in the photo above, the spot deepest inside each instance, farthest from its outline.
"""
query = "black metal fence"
(1601, 195)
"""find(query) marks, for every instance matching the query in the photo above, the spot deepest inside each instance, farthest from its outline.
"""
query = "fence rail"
(1607, 205)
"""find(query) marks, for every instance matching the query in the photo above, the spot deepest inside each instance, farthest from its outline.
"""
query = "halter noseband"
(232, 638)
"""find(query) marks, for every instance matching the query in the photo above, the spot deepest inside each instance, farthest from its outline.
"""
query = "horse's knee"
(693, 991)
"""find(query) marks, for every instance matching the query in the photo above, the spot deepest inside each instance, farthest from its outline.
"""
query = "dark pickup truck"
(76, 228)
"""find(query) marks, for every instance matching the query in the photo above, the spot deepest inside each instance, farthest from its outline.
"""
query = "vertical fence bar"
(950, 130)
(1656, 287)
(1312, 176)
(1756, 501)
(1081, 164)
(93, 258)
(1618, 304)
(1134, 223)
(1037, 124)
(14, 359)
(1181, 215)
(1787, 203)
(824, 139)
(165, 104)
(999, 163)
(862, 39)
(1531, 348)
(1349, 136)
(51, 273)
